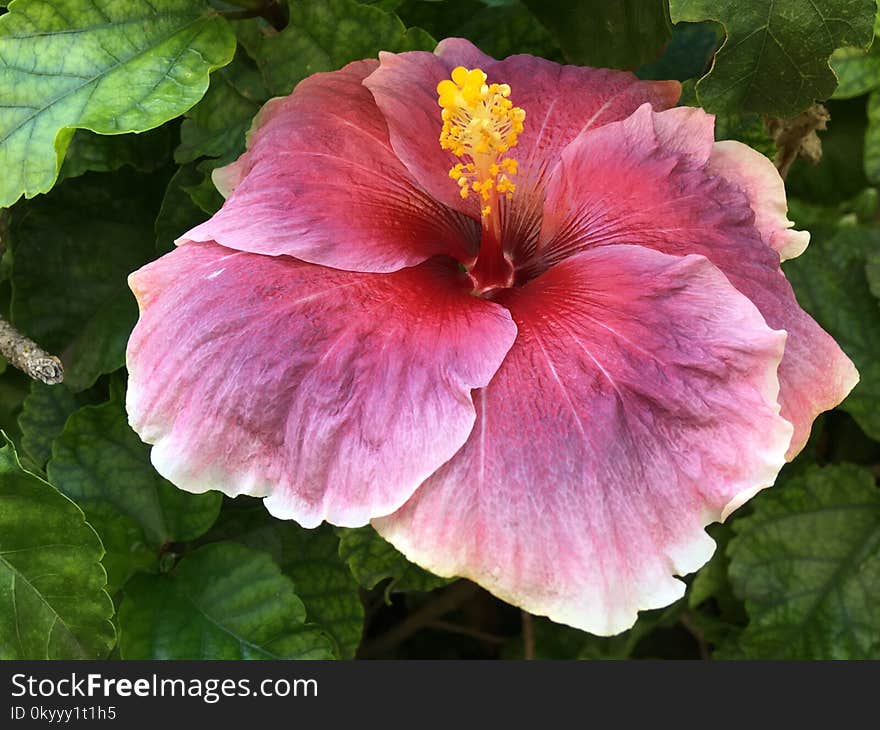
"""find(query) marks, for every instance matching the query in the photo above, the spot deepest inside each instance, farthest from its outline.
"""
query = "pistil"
(480, 124)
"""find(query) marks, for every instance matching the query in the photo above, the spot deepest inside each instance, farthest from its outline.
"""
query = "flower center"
(480, 124)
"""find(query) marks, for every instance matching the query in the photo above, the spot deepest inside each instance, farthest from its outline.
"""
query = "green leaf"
(831, 283)
(43, 416)
(14, 388)
(216, 126)
(872, 139)
(178, 212)
(857, 70)
(498, 30)
(223, 601)
(324, 35)
(100, 463)
(711, 580)
(872, 272)
(775, 58)
(311, 559)
(743, 127)
(127, 551)
(52, 599)
(807, 563)
(372, 559)
(622, 34)
(72, 253)
(90, 152)
(111, 66)
(203, 192)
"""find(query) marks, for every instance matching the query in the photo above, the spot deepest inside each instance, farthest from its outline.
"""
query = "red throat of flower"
(480, 125)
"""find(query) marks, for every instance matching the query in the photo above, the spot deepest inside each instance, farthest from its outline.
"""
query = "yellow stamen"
(480, 124)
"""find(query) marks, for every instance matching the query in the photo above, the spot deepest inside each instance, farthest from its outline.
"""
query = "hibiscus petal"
(623, 183)
(461, 52)
(637, 405)
(333, 394)
(563, 101)
(559, 102)
(320, 182)
(758, 178)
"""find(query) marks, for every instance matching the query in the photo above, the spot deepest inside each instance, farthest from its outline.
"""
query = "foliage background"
(99, 556)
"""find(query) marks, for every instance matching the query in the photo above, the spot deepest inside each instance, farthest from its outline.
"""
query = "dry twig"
(28, 356)
(797, 137)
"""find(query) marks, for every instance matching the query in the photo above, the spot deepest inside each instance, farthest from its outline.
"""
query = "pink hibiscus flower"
(542, 353)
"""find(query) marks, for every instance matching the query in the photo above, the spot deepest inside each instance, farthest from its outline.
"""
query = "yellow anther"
(480, 124)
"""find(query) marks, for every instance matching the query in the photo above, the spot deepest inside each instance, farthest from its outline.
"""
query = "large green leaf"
(311, 559)
(52, 599)
(216, 126)
(100, 463)
(831, 283)
(73, 250)
(807, 563)
(621, 34)
(324, 35)
(223, 601)
(372, 559)
(42, 418)
(775, 58)
(178, 212)
(111, 66)
(90, 152)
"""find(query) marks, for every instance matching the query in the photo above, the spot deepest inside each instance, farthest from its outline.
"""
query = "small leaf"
(90, 152)
(622, 34)
(178, 212)
(775, 58)
(857, 70)
(100, 463)
(43, 416)
(372, 559)
(688, 54)
(216, 126)
(711, 580)
(311, 559)
(72, 252)
(223, 601)
(52, 599)
(111, 66)
(203, 192)
(807, 563)
(324, 35)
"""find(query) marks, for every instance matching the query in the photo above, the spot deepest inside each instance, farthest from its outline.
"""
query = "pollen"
(480, 125)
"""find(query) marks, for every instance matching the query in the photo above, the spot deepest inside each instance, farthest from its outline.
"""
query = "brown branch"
(457, 594)
(28, 356)
(528, 635)
(467, 631)
(798, 137)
